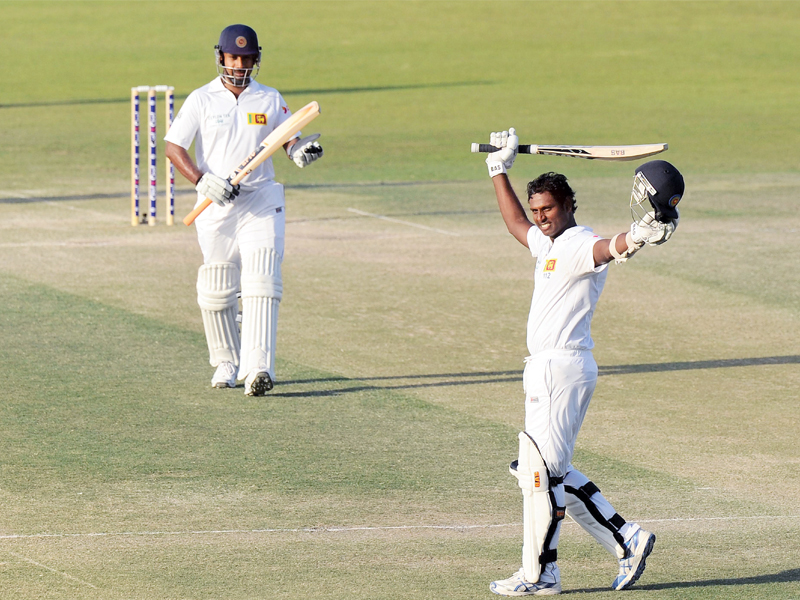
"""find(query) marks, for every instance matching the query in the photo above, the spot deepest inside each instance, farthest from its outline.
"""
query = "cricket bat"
(282, 134)
(587, 152)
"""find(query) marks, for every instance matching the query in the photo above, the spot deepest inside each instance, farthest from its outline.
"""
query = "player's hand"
(502, 160)
(306, 151)
(649, 231)
(217, 189)
(669, 229)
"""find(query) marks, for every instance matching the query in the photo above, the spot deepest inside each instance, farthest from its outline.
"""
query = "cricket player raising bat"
(560, 374)
(241, 234)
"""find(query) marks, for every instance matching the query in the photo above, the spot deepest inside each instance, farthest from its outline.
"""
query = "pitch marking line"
(51, 569)
(334, 529)
(409, 223)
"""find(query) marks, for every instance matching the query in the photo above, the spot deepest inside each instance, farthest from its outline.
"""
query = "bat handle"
(189, 219)
(522, 149)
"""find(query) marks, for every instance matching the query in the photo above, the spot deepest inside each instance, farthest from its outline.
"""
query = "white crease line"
(57, 244)
(38, 564)
(409, 223)
(97, 213)
(354, 528)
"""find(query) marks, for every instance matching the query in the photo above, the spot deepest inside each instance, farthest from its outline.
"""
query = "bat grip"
(522, 149)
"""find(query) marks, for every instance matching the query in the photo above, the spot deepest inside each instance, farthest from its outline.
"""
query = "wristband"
(495, 167)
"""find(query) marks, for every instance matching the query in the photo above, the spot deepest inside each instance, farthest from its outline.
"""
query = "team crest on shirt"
(256, 119)
(550, 265)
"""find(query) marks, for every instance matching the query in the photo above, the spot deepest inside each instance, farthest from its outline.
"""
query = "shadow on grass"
(779, 577)
(316, 91)
(459, 379)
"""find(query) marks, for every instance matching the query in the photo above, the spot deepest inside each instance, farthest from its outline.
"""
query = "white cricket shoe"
(258, 383)
(224, 376)
(517, 586)
(631, 568)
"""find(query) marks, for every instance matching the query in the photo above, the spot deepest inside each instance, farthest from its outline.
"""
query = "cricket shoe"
(631, 568)
(517, 586)
(258, 383)
(224, 376)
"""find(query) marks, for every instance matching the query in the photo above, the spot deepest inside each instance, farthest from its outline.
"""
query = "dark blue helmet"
(239, 40)
(662, 185)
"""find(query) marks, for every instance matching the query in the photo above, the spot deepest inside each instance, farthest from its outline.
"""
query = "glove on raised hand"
(306, 151)
(649, 231)
(217, 189)
(669, 229)
(502, 160)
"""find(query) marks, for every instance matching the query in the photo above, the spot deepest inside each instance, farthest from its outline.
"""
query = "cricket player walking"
(560, 374)
(242, 234)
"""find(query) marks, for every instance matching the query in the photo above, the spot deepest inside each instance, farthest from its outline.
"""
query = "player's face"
(238, 67)
(549, 215)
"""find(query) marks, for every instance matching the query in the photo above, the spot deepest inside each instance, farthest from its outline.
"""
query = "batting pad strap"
(548, 556)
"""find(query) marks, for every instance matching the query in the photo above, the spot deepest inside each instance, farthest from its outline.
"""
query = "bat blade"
(282, 134)
(617, 153)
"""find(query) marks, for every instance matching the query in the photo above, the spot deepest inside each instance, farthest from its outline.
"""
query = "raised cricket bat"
(587, 152)
(282, 134)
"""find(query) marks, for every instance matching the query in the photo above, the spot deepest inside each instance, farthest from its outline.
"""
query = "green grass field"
(377, 468)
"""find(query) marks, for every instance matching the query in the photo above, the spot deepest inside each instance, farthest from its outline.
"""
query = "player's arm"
(183, 162)
(211, 186)
(624, 245)
(511, 209)
(498, 162)
(303, 151)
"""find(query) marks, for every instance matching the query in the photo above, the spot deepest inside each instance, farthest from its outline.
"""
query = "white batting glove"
(669, 229)
(502, 160)
(306, 151)
(649, 231)
(217, 189)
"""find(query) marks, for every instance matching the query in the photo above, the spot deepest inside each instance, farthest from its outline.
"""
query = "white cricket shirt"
(226, 129)
(567, 287)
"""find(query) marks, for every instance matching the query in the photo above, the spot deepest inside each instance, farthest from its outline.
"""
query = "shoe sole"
(261, 385)
(641, 566)
(551, 591)
(222, 385)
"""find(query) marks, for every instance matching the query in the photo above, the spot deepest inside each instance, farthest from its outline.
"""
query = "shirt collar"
(572, 232)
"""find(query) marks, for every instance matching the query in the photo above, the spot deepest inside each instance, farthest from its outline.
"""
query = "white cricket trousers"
(558, 387)
(227, 233)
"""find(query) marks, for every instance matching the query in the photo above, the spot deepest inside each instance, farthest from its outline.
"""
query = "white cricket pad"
(217, 284)
(262, 289)
(542, 508)
(587, 506)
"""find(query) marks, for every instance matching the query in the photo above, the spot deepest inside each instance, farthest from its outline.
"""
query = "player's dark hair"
(557, 185)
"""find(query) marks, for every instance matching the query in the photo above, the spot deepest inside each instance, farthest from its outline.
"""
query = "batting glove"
(669, 229)
(502, 160)
(217, 189)
(649, 231)
(306, 151)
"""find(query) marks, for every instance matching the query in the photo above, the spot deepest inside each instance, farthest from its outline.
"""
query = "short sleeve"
(585, 256)
(185, 125)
